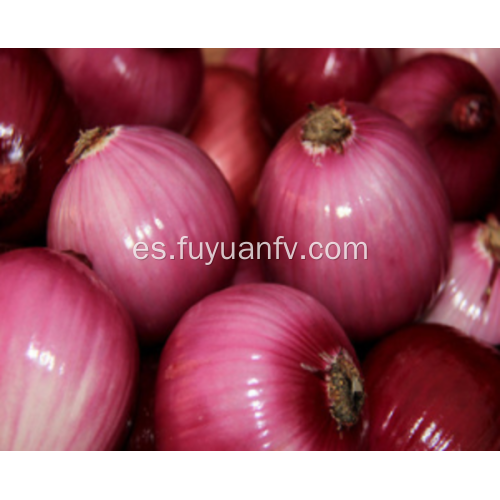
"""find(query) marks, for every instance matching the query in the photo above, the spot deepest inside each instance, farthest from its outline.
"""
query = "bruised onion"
(228, 129)
(68, 362)
(455, 113)
(147, 207)
(38, 126)
(159, 87)
(363, 214)
(292, 79)
(259, 367)
(470, 300)
(432, 388)
(486, 59)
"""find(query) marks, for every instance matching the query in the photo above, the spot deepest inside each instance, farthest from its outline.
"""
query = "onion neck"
(490, 238)
(327, 127)
(472, 113)
(13, 178)
(90, 142)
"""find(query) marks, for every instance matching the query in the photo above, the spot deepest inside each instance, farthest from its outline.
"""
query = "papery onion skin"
(158, 87)
(228, 129)
(69, 355)
(234, 376)
(245, 59)
(467, 302)
(431, 388)
(147, 185)
(38, 126)
(439, 97)
(486, 59)
(291, 79)
(379, 188)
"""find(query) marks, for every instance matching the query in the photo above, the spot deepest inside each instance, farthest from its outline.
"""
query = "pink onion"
(159, 87)
(455, 113)
(291, 79)
(352, 174)
(38, 126)
(131, 186)
(259, 367)
(245, 59)
(69, 359)
(487, 60)
(471, 299)
(229, 131)
(431, 388)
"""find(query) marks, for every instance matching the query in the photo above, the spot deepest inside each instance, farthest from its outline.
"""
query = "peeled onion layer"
(130, 185)
(69, 358)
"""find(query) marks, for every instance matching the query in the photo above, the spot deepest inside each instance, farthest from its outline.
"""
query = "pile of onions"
(228, 129)
(352, 174)
(38, 126)
(69, 359)
(292, 79)
(487, 60)
(431, 388)
(259, 367)
(455, 113)
(245, 59)
(159, 87)
(131, 185)
(471, 299)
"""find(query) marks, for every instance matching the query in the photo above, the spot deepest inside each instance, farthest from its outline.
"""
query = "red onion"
(142, 437)
(291, 79)
(431, 388)
(229, 131)
(471, 299)
(159, 87)
(38, 126)
(68, 362)
(487, 60)
(245, 59)
(454, 111)
(130, 188)
(259, 367)
(352, 174)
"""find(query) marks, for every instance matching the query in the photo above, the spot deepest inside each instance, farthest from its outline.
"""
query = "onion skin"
(466, 302)
(454, 111)
(291, 79)
(69, 356)
(228, 129)
(157, 87)
(38, 126)
(231, 378)
(431, 388)
(245, 59)
(486, 59)
(147, 185)
(379, 188)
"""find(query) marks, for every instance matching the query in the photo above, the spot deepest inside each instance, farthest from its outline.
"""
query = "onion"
(291, 79)
(471, 299)
(142, 436)
(487, 60)
(259, 367)
(159, 87)
(431, 388)
(245, 59)
(454, 111)
(68, 362)
(38, 126)
(229, 131)
(130, 188)
(352, 174)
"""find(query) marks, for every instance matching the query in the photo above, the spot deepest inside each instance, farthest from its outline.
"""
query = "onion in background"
(138, 184)
(245, 59)
(68, 362)
(38, 126)
(159, 87)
